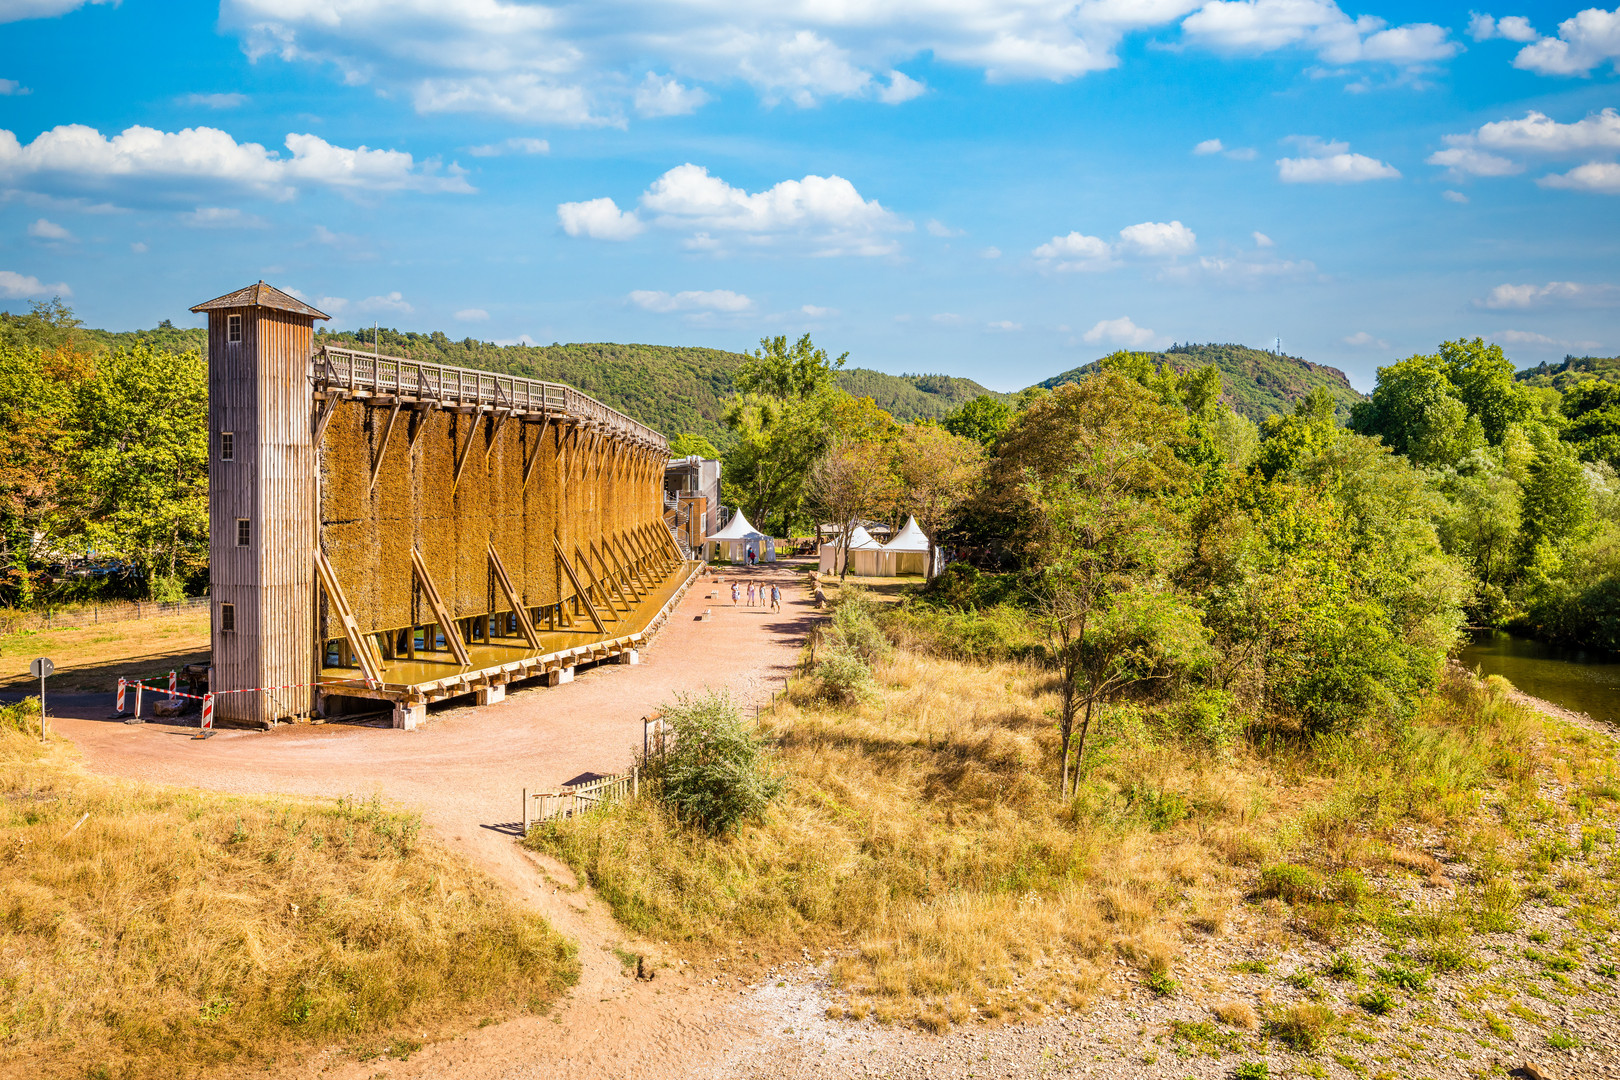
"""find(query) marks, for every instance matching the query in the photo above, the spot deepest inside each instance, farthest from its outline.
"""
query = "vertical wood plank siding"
(259, 389)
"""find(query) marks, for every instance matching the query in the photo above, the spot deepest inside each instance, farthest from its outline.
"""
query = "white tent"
(737, 539)
(907, 553)
(863, 555)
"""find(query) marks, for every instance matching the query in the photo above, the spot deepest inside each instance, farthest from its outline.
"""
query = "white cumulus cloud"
(1467, 161)
(472, 314)
(1147, 239)
(13, 88)
(1261, 240)
(692, 300)
(1597, 177)
(1157, 238)
(825, 211)
(1209, 146)
(1121, 331)
(1455, 197)
(572, 62)
(1534, 340)
(15, 10)
(1362, 339)
(663, 95)
(1510, 28)
(1330, 162)
(1588, 40)
(178, 161)
(15, 286)
(1255, 26)
(1553, 294)
(48, 230)
(222, 217)
(818, 312)
(215, 101)
(393, 302)
(599, 219)
(1006, 325)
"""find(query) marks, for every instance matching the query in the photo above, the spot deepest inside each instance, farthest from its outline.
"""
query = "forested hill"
(1574, 369)
(672, 388)
(1255, 383)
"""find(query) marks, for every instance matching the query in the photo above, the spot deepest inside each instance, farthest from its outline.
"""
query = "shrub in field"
(714, 776)
(1377, 1001)
(1296, 884)
(842, 677)
(1303, 1027)
(1344, 966)
(854, 628)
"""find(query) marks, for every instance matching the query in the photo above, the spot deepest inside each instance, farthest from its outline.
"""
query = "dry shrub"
(1240, 1014)
(174, 932)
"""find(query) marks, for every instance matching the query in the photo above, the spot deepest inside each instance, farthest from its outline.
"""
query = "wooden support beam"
(579, 590)
(513, 598)
(382, 445)
(452, 637)
(640, 583)
(669, 538)
(607, 597)
(466, 450)
(419, 421)
(361, 646)
(611, 576)
(500, 422)
(325, 416)
(539, 441)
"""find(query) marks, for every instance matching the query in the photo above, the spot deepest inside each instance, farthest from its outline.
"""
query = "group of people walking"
(757, 595)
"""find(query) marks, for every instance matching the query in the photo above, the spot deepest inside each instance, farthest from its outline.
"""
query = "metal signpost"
(39, 669)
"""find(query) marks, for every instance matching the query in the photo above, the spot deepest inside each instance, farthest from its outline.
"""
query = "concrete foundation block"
(630, 656)
(560, 676)
(490, 695)
(406, 717)
(168, 707)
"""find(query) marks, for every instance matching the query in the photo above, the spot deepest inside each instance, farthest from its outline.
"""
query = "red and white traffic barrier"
(122, 682)
(173, 683)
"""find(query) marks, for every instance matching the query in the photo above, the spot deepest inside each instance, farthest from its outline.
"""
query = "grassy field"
(920, 840)
(151, 931)
(90, 658)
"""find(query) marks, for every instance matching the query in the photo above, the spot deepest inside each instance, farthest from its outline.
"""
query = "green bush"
(1303, 1027)
(1377, 1001)
(842, 677)
(1251, 1070)
(1344, 967)
(1296, 884)
(1209, 716)
(21, 716)
(714, 776)
(1402, 977)
(854, 627)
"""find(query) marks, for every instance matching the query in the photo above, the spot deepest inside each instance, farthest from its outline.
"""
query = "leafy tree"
(686, 444)
(714, 775)
(1418, 413)
(1593, 410)
(1483, 379)
(851, 482)
(1102, 476)
(1288, 441)
(138, 481)
(938, 472)
(797, 372)
(983, 420)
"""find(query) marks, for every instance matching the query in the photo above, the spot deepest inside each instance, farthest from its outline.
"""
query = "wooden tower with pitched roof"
(262, 504)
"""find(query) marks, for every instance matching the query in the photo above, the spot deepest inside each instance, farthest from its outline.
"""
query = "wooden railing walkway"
(357, 372)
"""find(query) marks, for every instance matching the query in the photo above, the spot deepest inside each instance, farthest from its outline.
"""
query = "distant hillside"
(671, 388)
(912, 397)
(1574, 369)
(1254, 382)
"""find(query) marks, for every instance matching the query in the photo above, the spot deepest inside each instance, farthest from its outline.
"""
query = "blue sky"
(999, 189)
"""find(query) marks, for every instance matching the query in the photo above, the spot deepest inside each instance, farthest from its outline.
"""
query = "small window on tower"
(227, 446)
(227, 618)
(233, 328)
(244, 532)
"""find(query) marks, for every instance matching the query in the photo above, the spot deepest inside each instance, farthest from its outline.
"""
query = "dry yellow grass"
(1240, 1014)
(90, 657)
(919, 840)
(149, 931)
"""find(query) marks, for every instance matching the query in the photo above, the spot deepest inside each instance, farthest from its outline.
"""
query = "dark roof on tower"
(261, 295)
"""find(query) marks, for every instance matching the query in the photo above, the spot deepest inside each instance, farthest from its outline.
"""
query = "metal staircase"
(676, 518)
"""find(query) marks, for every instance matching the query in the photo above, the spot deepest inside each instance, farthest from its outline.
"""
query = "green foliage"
(1256, 383)
(1572, 370)
(1296, 884)
(1343, 967)
(1402, 978)
(982, 419)
(1252, 1070)
(1160, 983)
(714, 776)
(1303, 1027)
(916, 397)
(1377, 1001)
(686, 444)
(20, 716)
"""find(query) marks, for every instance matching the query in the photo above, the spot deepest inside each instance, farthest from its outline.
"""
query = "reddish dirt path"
(465, 771)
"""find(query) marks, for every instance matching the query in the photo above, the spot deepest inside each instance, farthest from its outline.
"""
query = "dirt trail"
(465, 771)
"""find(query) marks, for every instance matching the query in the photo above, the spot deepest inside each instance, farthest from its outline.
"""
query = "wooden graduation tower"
(262, 493)
(387, 529)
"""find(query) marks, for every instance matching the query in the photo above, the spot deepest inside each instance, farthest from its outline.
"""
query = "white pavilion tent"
(737, 539)
(907, 553)
(863, 555)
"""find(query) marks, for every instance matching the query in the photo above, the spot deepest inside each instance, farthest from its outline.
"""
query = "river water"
(1587, 682)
